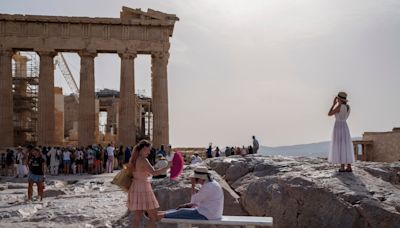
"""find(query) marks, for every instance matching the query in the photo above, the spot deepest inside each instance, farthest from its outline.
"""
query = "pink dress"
(141, 195)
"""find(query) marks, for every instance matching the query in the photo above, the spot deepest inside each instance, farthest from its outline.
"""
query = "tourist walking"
(341, 151)
(256, 145)
(110, 158)
(36, 173)
(141, 197)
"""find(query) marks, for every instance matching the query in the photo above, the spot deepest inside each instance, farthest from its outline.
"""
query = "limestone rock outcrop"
(309, 192)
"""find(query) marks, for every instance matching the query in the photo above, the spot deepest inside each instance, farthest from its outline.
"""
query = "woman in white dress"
(341, 151)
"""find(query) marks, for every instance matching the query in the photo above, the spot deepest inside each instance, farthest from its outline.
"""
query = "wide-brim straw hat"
(200, 172)
(342, 96)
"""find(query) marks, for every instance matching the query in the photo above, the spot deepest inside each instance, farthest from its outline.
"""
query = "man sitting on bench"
(206, 204)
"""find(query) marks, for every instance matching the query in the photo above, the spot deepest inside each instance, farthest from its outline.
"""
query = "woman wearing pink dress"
(141, 197)
(342, 151)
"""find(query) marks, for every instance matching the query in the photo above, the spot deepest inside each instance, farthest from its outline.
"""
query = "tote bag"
(123, 179)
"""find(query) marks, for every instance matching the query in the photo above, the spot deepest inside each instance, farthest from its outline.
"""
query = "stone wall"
(385, 147)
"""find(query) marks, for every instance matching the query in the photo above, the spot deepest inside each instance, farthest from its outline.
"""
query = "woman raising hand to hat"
(341, 151)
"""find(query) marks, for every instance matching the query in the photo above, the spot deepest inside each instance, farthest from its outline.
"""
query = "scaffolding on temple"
(25, 72)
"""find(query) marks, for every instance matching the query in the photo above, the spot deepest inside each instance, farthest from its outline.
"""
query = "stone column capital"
(127, 55)
(86, 53)
(49, 53)
(160, 54)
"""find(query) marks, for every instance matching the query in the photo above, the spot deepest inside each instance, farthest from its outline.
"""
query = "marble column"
(159, 62)
(6, 99)
(127, 101)
(87, 105)
(46, 117)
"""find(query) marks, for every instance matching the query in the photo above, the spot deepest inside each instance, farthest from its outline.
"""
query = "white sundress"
(341, 151)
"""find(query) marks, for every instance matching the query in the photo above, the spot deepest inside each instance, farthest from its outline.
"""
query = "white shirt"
(67, 155)
(53, 156)
(196, 160)
(160, 165)
(170, 156)
(210, 200)
(110, 151)
(79, 155)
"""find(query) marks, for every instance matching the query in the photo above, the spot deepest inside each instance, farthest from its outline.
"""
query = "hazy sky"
(264, 67)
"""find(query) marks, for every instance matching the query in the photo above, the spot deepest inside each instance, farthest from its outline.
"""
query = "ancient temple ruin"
(134, 33)
(378, 146)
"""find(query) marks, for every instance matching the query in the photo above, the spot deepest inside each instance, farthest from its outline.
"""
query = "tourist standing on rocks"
(206, 203)
(10, 162)
(36, 174)
(228, 151)
(341, 151)
(128, 152)
(67, 161)
(243, 151)
(256, 145)
(217, 152)
(250, 149)
(120, 157)
(54, 155)
(21, 170)
(79, 160)
(209, 152)
(141, 197)
(110, 158)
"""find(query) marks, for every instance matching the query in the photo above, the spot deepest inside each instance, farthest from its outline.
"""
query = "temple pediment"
(129, 13)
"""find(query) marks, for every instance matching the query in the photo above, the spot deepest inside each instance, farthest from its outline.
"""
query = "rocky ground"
(70, 201)
(309, 192)
(296, 192)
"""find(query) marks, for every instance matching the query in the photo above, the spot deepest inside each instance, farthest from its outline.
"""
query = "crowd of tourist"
(229, 151)
(93, 159)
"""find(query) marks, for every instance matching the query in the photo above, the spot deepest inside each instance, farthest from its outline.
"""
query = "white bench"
(248, 221)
